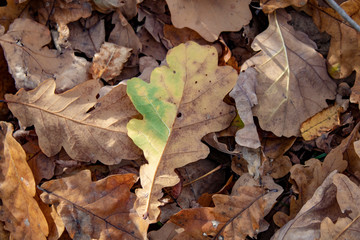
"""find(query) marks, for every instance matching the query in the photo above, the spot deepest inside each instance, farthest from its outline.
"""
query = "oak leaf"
(96, 210)
(19, 210)
(210, 18)
(269, 6)
(10, 12)
(182, 103)
(63, 120)
(31, 62)
(109, 62)
(293, 83)
(233, 217)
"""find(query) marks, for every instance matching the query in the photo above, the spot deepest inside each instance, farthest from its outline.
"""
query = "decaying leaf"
(293, 83)
(19, 210)
(127, 7)
(96, 210)
(233, 217)
(277, 167)
(321, 122)
(109, 62)
(63, 120)
(177, 36)
(31, 62)
(245, 98)
(182, 103)
(209, 18)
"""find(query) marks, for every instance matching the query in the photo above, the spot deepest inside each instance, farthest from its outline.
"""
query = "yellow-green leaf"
(182, 103)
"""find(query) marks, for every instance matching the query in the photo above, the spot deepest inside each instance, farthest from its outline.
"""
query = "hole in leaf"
(179, 115)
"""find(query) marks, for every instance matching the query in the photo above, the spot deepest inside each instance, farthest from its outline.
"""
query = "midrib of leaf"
(64, 117)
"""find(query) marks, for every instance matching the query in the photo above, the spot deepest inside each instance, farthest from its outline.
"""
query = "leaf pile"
(175, 119)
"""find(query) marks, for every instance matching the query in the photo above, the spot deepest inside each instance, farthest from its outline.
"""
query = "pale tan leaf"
(292, 80)
(210, 17)
(20, 211)
(31, 62)
(109, 62)
(62, 120)
(343, 229)
(245, 98)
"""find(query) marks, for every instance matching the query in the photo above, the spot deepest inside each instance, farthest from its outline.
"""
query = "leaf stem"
(343, 14)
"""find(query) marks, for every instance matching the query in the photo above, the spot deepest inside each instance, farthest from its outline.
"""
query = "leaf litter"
(172, 119)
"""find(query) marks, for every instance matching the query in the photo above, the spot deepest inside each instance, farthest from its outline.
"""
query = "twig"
(343, 14)
(205, 175)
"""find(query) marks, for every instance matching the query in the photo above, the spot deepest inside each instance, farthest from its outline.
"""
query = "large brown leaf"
(210, 17)
(19, 210)
(292, 80)
(63, 120)
(31, 62)
(96, 210)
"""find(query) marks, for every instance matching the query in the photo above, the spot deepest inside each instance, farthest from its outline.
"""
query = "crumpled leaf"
(292, 80)
(19, 210)
(109, 62)
(321, 122)
(245, 98)
(96, 210)
(347, 195)
(210, 18)
(306, 224)
(307, 178)
(63, 120)
(182, 103)
(31, 62)
(233, 217)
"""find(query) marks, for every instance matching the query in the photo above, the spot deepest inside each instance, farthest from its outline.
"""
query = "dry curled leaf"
(19, 210)
(97, 210)
(63, 120)
(109, 62)
(292, 80)
(31, 62)
(209, 18)
(182, 103)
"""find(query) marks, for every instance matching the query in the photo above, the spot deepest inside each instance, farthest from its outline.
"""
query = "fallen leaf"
(31, 62)
(274, 147)
(109, 62)
(347, 229)
(10, 12)
(245, 98)
(269, 6)
(293, 83)
(146, 66)
(96, 210)
(63, 120)
(341, 58)
(320, 123)
(19, 210)
(91, 37)
(182, 103)
(307, 178)
(127, 7)
(150, 47)
(277, 167)
(306, 224)
(181, 35)
(233, 217)
(7, 85)
(210, 18)
(62, 11)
